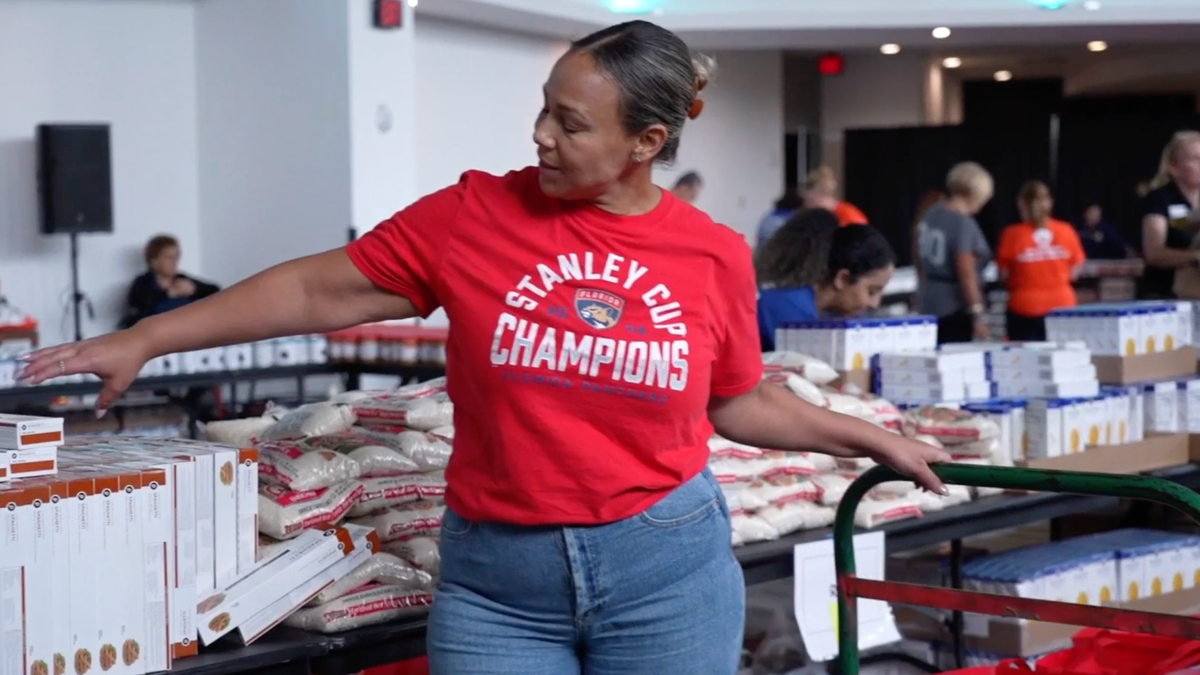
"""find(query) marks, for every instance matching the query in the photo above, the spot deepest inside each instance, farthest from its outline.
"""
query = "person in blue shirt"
(811, 267)
(784, 207)
(1101, 241)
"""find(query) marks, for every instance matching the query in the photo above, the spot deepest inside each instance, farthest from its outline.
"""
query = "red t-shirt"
(583, 348)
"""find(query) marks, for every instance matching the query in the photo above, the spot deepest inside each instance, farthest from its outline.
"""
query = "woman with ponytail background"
(813, 266)
(1038, 258)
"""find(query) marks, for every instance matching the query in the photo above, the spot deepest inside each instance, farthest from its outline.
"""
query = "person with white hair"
(951, 254)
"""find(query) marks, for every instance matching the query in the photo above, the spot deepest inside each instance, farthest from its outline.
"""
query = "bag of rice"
(382, 568)
(382, 493)
(928, 440)
(720, 448)
(369, 606)
(743, 498)
(800, 387)
(422, 414)
(833, 487)
(877, 511)
(821, 462)
(849, 405)
(748, 528)
(811, 369)
(283, 514)
(932, 503)
(883, 412)
(428, 451)
(374, 456)
(785, 489)
(950, 426)
(419, 389)
(314, 419)
(241, 433)
(415, 518)
(788, 518)
(420, 552)
(299, 468)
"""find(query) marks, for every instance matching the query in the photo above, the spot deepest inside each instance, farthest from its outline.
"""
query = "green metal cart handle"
(850, 587)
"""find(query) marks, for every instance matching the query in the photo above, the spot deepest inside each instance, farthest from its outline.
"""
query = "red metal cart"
(850, 587)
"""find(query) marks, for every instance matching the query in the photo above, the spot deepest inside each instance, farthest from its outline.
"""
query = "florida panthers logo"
(598, 309)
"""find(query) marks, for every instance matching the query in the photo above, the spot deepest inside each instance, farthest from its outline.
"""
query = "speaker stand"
(78, 299)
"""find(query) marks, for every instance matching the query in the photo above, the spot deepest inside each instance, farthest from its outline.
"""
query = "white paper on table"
(816, 597)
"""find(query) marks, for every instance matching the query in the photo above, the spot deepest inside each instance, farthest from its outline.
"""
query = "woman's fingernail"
(945, 491)
(101, 412)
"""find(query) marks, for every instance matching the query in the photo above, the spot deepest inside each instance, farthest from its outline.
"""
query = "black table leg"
(956, 628)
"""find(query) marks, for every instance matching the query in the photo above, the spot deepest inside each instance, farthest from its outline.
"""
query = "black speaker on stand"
(75, 192)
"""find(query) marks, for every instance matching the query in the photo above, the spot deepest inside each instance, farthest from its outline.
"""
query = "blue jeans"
(653, 594)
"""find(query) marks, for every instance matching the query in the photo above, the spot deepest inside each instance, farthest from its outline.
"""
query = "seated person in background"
(1101, 241)
(1038, 259)
(820, 192)
(162, 288)
(813, 266)
(785, 206)
(688, 187)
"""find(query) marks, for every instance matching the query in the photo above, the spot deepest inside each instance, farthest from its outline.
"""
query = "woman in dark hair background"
(811, 266)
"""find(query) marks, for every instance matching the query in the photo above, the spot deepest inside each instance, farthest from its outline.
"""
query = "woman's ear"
(651, 141)
(842, 280)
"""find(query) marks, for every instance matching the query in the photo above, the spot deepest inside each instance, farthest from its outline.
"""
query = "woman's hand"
(913, 459)
(981, 330)
(182, 288)
(116, 358)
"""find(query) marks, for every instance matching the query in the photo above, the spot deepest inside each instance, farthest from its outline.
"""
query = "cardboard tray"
(1156, 451)
(1145, 367)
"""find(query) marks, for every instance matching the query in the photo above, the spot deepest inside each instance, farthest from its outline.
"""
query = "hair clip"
(696, 109)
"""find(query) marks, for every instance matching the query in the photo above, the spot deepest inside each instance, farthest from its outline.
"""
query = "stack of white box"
(1060, 427)
(850, 344)
(292, 351)
(929, 377)
(1043, 371)
(1046, 572)
(29, 445)
(1124, 328)
(1149, 562)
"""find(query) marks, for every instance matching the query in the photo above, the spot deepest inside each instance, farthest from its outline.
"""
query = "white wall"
(274, 129)
(130, 63)
(874, 91)
(478, 93)
(737, 143)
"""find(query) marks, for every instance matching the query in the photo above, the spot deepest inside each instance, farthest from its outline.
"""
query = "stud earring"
(637, 159)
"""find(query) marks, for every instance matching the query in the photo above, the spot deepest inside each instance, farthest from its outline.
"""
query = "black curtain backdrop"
(1013, 153)
(1103, 160)
(889, 171)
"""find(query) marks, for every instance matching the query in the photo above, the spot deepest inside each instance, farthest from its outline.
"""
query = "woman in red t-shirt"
(601, 329)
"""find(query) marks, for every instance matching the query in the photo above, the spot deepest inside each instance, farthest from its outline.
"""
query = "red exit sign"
(389, 14)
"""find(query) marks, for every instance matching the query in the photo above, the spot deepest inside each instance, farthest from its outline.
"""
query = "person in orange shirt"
(820, 192)
(1038, 259)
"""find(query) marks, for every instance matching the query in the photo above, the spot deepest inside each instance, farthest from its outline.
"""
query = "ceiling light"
(941, 32)
(1003, 75)
(951, 62)
(1097, 46)
(890, 48)
(412, 3)
(1050, 4)
(1091, 5)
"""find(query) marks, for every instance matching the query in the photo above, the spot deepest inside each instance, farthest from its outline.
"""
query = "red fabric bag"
(1103, 652)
